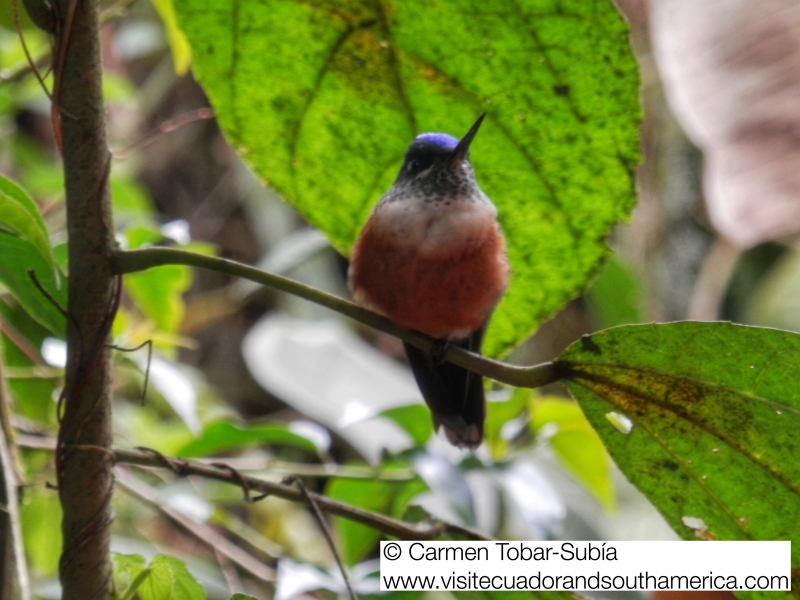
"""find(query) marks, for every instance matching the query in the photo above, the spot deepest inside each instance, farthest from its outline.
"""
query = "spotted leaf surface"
(703, 418)
(322, 98)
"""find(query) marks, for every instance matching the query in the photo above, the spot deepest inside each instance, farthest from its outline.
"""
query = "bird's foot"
(438, 350)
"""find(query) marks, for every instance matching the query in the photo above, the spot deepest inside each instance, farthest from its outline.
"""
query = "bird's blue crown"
(441, 140)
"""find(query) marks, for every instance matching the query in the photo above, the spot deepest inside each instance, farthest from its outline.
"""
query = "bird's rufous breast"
(441, 276)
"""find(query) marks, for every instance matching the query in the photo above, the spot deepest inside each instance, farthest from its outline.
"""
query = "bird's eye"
(418, 165)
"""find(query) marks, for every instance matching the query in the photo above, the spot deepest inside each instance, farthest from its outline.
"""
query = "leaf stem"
(132, 261)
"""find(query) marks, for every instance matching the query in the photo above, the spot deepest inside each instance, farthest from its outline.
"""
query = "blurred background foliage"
(280, 387)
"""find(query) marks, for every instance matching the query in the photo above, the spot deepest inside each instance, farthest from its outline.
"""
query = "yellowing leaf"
(178, 44)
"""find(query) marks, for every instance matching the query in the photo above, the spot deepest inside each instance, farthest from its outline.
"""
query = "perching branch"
(133, 261)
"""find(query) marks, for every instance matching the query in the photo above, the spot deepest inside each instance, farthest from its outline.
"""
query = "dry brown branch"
(394, 527)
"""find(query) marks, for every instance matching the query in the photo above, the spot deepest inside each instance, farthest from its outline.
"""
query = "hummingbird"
(432, 257)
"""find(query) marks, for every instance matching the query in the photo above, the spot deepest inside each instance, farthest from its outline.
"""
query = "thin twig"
(132, 261)
(107, 15)
(201, 531)
(20, 342)
(326, 532)
(28, 57)
(165, 127)
(46, 294)
(149, 344)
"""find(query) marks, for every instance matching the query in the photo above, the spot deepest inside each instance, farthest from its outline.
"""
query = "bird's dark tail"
(454, 395)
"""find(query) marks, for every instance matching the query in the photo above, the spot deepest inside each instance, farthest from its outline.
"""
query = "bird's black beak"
(462, 149)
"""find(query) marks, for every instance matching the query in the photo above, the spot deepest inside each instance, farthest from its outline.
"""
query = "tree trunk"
(84, 461)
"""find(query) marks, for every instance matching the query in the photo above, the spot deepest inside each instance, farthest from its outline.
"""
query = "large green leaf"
(322, 98)
(704, 419)
(19, 256)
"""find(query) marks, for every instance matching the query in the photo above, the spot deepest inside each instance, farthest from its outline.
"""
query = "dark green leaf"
(348, 84)
(702, 418)
(17, 257)
(242, 597)
(222, 436)
(414, 419)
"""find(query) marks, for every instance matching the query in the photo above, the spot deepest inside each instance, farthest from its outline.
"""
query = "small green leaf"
(170, 580)
(130, 570)
(242, 597)
(223, 436)
(349, 84)
(714, 412)
(128, 565)
(20, 215)
(159, 294)
(414, 419)
(355, 539)
(576, 445)
(17, 257)
(178, 44)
